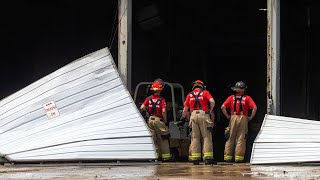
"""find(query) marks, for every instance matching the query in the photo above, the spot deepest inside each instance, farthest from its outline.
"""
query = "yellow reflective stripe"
(239, 158)
(208, 154)
(227, 157)
(195, 156)
(166, 156)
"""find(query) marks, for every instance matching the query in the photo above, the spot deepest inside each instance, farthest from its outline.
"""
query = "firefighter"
(237, 131)
(201, 103)
(155, 105)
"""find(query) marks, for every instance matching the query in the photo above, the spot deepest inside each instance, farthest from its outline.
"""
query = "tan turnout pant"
(238, 132)
(201, 125)
(160, 134)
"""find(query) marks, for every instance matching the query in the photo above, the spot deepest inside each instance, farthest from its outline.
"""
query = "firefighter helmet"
(198, 83)
(157, 85)
(239, 87)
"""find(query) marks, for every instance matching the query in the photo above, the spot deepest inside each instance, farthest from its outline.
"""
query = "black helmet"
(239, 86)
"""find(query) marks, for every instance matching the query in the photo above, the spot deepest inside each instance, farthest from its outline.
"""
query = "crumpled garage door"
(286, 140)
(82, 111)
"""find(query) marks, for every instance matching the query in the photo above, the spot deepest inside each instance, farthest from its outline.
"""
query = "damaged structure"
(282, 138)
(276, 42)
(81, 112)
(286, 140)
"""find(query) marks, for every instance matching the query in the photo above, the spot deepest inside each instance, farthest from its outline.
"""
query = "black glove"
(144, 114)
(181, 121)
(227, 133)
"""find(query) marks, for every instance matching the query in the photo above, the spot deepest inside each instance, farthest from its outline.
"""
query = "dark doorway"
(220, 42)
(300, 27)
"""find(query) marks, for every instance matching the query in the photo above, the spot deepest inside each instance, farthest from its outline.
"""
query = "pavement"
(159, 171)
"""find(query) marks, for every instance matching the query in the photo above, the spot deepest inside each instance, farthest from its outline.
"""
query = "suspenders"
(235, 104)
(196, 99)
(154, 105)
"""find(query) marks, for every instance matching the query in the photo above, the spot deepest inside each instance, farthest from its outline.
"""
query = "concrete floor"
(160, 171)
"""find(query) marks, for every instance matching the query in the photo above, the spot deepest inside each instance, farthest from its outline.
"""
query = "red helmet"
(197, 83)
(157, 85)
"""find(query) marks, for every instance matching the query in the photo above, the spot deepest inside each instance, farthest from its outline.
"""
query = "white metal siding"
(98, 119)
(286, 140)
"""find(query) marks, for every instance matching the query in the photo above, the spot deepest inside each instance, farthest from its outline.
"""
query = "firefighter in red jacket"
(238, 121)
(155, 105)
(201, 103)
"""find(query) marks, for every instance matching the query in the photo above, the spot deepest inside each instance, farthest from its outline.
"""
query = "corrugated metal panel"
(82, 111)
(286, 140)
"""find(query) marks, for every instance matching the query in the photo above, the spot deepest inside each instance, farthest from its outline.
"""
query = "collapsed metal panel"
(286, 140)
(82, 111)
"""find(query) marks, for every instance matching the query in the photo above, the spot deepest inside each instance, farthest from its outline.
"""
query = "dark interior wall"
(300, 27)
(38, 37)
(220, 42)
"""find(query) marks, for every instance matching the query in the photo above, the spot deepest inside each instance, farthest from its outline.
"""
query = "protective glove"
(181, 121)
(144, 114)
(227, 133)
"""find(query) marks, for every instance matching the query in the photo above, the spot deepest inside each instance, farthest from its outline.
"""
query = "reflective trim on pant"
(166, 156)
(158, 130)
(238, 131)
(195, 156)
(208, 155)
(227, 157)
(239, 158)
(201, 137)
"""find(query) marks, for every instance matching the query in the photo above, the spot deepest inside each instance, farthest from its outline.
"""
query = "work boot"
(239, 161)
(169, 160)
(210, 162)
(196, 162)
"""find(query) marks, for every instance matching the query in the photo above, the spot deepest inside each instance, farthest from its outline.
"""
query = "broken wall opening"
(178, 41)
(219, 42)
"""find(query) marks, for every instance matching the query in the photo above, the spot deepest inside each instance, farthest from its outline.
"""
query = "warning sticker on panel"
(51, 109)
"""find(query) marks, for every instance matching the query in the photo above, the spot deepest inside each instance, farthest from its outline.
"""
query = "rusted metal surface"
(273, 57)
(124, 40)
(162, 171)
(268, 55)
